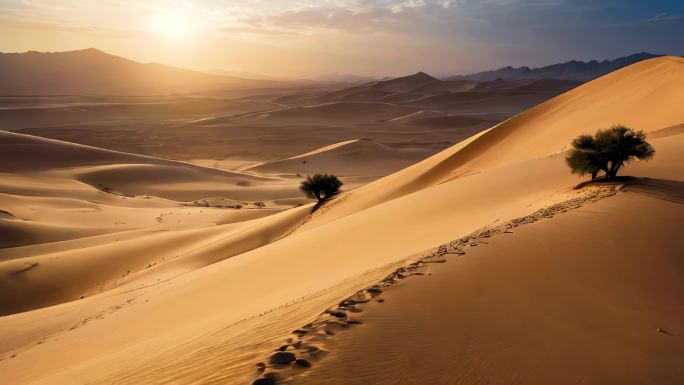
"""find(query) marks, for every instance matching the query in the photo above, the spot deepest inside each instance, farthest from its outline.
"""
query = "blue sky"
(375, 37)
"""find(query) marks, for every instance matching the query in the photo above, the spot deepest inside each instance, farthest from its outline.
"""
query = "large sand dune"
(621, 97)
(580, 298)
(211, 324)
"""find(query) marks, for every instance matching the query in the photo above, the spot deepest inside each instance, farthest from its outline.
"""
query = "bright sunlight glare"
(169, 25)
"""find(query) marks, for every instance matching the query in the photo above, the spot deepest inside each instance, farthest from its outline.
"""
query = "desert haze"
(161, 225)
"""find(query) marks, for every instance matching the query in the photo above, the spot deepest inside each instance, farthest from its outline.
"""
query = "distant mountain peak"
(94, 52)
(421, 75)
(416, 78)
(91, 49)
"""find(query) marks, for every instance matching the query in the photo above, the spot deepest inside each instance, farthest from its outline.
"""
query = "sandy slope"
(211, 324)
(79, 220)
(574, 299)
(627, 96)
(352, 158)
(189, 318)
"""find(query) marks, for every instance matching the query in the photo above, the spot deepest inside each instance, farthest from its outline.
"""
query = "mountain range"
(93, 72)
(571, 70)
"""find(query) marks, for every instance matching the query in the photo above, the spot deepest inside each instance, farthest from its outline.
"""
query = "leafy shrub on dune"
(608, 151)
(321, 187)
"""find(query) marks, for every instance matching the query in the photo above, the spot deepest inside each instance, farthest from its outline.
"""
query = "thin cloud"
(325, 18)
(660, 18)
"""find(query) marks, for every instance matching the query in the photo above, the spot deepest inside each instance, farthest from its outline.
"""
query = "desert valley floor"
(163, 240)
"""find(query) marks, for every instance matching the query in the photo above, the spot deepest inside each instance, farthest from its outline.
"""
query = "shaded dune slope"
(357, 157)
(333, 112)
(127, 174)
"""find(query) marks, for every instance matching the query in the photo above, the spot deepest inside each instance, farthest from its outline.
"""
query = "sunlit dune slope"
(169, 329)
(85, 269)
(95, 219)
(646, 96)
(578, 298)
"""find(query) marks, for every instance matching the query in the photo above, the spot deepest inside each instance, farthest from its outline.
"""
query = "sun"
(169, 25)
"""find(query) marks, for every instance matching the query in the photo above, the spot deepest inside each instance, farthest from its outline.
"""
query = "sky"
(291, 38)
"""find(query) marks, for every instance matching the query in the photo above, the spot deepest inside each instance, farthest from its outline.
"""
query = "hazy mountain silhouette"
(93, 72)
(572, 70)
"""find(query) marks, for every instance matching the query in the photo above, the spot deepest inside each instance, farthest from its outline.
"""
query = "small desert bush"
(321, 186)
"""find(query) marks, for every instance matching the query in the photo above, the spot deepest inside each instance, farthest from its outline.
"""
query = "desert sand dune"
(128, 174)
(352, 158)
(378, 249)
(537, 306)
(93, 111)
(17, 233)
(258, 137)
(85, 270)
(445, 121)
(332, 113)
(374, 91)
(502, 104)
(547, 129)
(212, 324)
(534, 85)
(208, 129)
(66, 206)
(424, 90)
(668, 190)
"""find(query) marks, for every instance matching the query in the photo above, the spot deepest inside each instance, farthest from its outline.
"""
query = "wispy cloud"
(657, 19)
(327, 18)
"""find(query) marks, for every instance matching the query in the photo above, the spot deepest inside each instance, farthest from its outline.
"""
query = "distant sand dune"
(130, 174)
(545, 130)
(336, 113)
(352, 158)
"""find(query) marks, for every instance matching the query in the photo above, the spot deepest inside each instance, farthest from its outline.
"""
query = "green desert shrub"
(608, 151)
